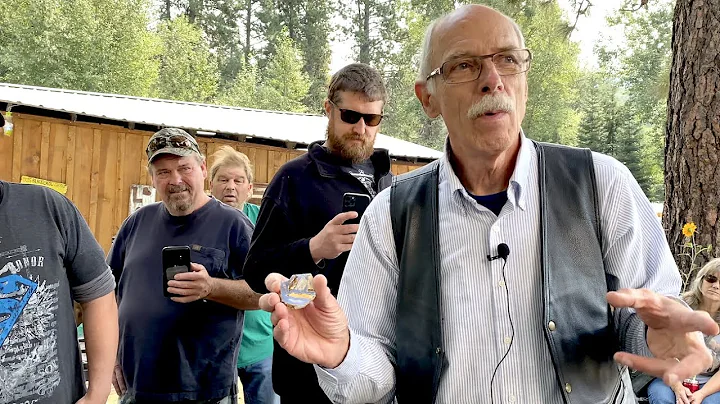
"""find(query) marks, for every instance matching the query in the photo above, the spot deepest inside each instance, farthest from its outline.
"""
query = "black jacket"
(304, 195)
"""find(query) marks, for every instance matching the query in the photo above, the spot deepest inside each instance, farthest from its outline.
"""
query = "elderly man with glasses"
(488, 275)
(179, 343)
(302, 227)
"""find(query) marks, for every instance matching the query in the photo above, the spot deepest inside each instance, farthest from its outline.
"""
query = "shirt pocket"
(212, 259)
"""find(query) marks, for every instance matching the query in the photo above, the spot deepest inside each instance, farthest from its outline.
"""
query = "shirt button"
(507, 340)
(551, 326)
(501, 284)
(495, 230)
(512, 399)
(568, 387)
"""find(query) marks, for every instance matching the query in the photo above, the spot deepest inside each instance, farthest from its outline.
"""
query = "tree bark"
(248, 31)
(692, 173)
(364, 37)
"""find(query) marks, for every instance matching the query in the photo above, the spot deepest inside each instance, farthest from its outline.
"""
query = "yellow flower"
(689, 229)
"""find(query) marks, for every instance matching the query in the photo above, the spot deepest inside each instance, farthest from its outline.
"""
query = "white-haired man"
(439, 309)
(231, 181)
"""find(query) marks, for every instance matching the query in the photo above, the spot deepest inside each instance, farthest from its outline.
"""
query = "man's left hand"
(191, 286)
(672, 335)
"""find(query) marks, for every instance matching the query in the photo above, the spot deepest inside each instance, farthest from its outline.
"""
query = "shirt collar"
(519, 181)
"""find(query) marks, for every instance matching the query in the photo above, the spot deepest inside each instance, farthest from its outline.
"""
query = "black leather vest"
(581, 337)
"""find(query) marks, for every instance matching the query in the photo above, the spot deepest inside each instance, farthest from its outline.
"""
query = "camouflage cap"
(171, 141)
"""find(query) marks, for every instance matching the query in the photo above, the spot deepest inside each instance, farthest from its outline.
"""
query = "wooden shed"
(93, 144)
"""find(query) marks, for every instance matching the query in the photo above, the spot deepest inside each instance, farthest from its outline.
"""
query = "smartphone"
(355, 203)
(175, 260)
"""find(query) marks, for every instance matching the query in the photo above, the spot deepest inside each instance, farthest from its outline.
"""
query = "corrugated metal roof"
(281, 126)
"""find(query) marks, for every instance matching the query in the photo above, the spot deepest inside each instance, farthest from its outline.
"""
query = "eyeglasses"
(468, 68)
(710, 278)
(352, 117)
(176, 141)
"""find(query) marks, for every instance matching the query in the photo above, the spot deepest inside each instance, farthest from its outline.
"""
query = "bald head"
(435, 34)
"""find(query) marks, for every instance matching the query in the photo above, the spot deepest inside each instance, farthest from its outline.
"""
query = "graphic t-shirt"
(365, 173)
(257, 340)
(173, 351)
(48, 256)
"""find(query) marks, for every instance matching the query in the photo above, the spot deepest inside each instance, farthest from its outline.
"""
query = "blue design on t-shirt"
(15, 292)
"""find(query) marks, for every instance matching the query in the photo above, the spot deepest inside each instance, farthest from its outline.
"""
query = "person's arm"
(101, 342)
(368, 293)
(92, 285)
(635, 252)
(654, 326)
(711, 387)
(234, 293)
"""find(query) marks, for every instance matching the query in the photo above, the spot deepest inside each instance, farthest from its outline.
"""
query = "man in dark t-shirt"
(48, 258)
(181, 348)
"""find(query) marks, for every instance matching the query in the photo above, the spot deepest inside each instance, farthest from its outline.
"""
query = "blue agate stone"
(297, 292)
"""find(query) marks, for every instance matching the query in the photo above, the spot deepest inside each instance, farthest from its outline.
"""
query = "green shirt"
(257, 340)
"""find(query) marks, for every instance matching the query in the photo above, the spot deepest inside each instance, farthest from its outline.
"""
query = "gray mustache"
(173, 189)
(496, 102)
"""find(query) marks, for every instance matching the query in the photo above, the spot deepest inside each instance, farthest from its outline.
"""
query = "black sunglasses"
(710, 278)
(352, 117)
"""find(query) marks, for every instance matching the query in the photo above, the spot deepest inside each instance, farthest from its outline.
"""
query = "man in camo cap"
(181, 347)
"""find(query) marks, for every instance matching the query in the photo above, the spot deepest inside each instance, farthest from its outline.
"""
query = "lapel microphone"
(503, 252)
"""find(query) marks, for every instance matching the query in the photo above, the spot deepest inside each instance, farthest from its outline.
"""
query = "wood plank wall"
(99, 163)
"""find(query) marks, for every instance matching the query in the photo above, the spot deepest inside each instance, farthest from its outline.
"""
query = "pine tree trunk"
(364, 37)
(248, 31)
(692, 170)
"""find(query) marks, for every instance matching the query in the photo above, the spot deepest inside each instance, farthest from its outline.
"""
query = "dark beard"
(339, 144)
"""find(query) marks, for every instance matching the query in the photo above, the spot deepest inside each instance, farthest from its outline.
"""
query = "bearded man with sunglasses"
(180, 347)
(300, 226)
(488, 275)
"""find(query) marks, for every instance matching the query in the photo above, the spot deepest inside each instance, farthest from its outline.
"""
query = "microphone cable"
(512, 331)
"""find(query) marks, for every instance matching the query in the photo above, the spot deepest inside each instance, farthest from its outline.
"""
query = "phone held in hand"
(355, 203)
(175, 260)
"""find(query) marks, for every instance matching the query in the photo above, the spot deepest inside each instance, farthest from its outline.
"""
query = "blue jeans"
(661, 393)
(257, 383)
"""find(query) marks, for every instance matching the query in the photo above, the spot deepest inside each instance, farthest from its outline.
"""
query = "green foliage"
(243, 91)
(315, 46)
(188, 71)
(285, 84)
(406, 119)
(275, 54)
(597, 110)
(92, 45)
(307, 24)
(640, 67)
(375, 28)
(553, 78)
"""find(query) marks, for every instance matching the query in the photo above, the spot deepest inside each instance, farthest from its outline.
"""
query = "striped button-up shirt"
(474, 294)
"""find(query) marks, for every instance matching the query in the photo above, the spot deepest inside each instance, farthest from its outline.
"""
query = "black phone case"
(175, 260)
(355, 203)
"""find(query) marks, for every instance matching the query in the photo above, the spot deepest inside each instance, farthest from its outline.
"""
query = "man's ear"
(426, 99)
(328, 108)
